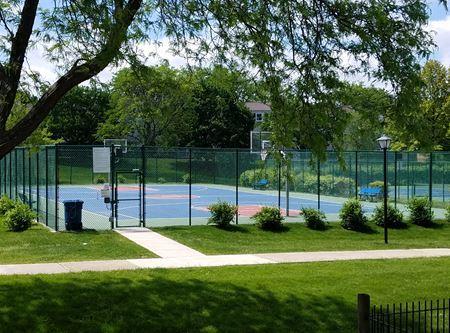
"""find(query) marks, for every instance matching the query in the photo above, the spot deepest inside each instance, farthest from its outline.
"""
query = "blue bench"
(368, 193)
(261, 185)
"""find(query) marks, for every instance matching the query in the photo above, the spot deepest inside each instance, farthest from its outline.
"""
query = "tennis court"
(170, 204)
(159, 186)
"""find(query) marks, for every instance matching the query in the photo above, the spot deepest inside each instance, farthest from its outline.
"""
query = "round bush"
(101, 180)
(447, 214)
(352, 215)
(394, 217)
(121, 179)
(19, 218)
(420, 212)
(6, 204)
(269, 218)
(314, 219)
(222, 214)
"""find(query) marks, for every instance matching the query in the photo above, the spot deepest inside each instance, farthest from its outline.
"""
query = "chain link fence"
(154, 186)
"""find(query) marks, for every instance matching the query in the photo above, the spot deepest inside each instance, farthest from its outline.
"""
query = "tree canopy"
(76, 117)
(425, 122)
(302, 47)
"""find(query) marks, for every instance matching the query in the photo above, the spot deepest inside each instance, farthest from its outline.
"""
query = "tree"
(150, 106)
(86, 34)
(77, 116)
(368, 108)
(222, 119)
(425, 125)
(294, 46)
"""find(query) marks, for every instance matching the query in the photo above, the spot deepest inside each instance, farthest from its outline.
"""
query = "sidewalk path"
(158, 244)
(218, 260)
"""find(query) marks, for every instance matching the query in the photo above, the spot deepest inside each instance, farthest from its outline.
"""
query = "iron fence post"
(363, 313)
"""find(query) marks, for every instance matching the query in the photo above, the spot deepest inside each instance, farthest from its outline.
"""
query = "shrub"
(101, 180)
(447, 214)
(222, 213)
(394, 217)
(121, 179)
(6, 204)
(420, 212)
(19, 218)
(352, 215)
(269, 218)
(186, 178)
(314, 219)
(162, 180)
(377, 183)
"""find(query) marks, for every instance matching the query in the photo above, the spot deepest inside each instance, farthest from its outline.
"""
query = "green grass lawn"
(38, 244)
(312, 297)
(297, 237)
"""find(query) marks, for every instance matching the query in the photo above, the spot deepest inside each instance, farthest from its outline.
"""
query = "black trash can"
(72, 214)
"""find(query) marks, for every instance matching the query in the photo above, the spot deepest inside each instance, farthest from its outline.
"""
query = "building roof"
(258, 106)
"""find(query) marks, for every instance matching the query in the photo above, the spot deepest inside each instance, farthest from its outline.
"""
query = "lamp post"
(384, 142)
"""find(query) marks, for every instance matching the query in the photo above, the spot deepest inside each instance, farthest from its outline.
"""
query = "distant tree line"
(163, 106)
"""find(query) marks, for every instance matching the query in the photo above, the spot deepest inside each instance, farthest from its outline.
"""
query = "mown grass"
(39, 244)
(297, 237)
(313, 297)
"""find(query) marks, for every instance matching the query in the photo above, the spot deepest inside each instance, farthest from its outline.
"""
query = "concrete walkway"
(158, 244)
(218, 260)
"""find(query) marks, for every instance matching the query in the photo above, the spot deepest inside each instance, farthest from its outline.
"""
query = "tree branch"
(76, 75)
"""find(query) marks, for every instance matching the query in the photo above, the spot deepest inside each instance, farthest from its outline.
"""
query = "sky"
(439, 26)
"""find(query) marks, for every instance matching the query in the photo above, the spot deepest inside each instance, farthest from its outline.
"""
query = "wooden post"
(363, 313)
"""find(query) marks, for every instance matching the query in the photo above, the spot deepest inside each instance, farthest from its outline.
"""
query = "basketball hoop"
(264, 155)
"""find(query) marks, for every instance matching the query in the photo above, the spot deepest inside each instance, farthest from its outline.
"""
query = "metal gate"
(128, 199)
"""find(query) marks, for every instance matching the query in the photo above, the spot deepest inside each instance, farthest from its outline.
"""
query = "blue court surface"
(169, 204)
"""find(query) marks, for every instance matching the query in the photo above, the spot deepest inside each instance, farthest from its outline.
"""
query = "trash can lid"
(73, 201)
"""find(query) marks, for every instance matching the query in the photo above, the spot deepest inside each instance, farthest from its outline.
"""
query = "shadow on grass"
(233, 228)
(433, 225)
(283, 228)
(141, 303)
(365, 229)
(83, 231)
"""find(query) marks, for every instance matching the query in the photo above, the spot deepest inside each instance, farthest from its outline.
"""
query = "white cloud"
(441, 31)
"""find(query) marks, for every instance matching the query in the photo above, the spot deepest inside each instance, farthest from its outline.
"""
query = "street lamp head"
(384, 141)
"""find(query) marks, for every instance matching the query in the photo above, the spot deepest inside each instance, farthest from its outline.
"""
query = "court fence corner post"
(112, 187)
(56, 187)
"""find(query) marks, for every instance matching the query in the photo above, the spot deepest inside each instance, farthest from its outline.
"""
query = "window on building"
(259, 117)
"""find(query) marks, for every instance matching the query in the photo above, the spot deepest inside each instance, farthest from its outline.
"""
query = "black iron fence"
(420, 317)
